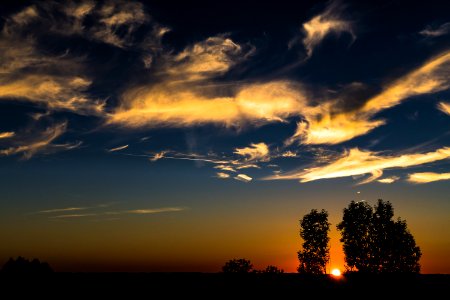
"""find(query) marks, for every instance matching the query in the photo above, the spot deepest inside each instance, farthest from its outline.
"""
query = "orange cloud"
(426, 177)
(357, 162)
(259, 151)
(322, 25)
(8, 134)
(444, 107)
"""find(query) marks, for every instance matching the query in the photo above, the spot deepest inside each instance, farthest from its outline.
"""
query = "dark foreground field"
(215, 285)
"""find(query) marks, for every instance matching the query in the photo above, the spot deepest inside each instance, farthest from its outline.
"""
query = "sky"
(166, 136)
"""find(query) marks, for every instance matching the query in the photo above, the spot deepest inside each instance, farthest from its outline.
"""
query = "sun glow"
(336, 272)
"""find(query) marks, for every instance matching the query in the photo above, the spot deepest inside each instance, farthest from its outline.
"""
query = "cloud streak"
(444, 107)
(436, 31)
(7, 134)
(259, 151)
(40, 142)
(357, 162)
(324, 24)
(426, 177)
(118, 148)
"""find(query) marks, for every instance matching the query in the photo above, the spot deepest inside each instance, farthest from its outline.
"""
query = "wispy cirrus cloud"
(435, 31)
(222, 175)
(330, 21)
(99, 213)
(7, 134)
(58, 210)
(358, 162)
(328, 124)
(257, 151)
(118, 148)
(389, 180)
(155, 210)
(39, 142)
(444, 107)
(426, 177)
(28, 73)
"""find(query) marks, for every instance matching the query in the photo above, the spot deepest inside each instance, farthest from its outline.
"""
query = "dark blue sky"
(158, 116)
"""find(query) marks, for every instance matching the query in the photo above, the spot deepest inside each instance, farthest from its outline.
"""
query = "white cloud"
(155, 210)
(222, 175)
(225, 168)
(435, 31)
(243, 177)
(389, 180)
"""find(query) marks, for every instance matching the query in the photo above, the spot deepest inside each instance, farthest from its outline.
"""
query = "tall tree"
(374, 242)
(314, 228)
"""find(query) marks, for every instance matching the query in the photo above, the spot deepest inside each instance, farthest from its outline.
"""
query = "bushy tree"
(374, 242)
(23, 265)
(241, 265)
(272, 270)
(314, 228)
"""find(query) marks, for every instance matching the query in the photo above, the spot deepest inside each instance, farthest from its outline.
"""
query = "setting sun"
(336, 272)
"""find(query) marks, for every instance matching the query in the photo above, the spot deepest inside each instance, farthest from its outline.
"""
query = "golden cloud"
(444, 107)
(322, 25)
(222, 175)
(259, 151)
(243, 177)
(7, 134)
(325, 124)
(426, 177)
(40, 143)
(183, 106)
(357, 162)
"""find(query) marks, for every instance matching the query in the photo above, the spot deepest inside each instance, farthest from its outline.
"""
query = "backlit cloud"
(155, 210)
(326, 23)
(118, 148)
(181, 106)
(444, 107)
(259, 151)
(435, 31)
(30, 145)
(389, 180)
(222, 175)
(327, 124)
(27, 73)
(358, 162)
(426, 177)
(7, 134)
(243, 177)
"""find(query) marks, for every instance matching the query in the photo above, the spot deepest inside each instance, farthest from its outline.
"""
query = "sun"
(336, 272)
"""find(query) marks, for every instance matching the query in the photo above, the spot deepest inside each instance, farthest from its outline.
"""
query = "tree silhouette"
(272, 270)
(241, 265)
(22, 265)
(314, 228)
(374, 242)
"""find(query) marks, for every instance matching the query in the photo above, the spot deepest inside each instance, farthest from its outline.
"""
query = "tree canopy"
(374, 242)
(314, 228)
(241, 265)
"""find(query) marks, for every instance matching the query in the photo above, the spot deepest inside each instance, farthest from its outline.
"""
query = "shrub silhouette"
(272, 270)
(241, 265)
(22, 265)
(374, 242)
(314, 228)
